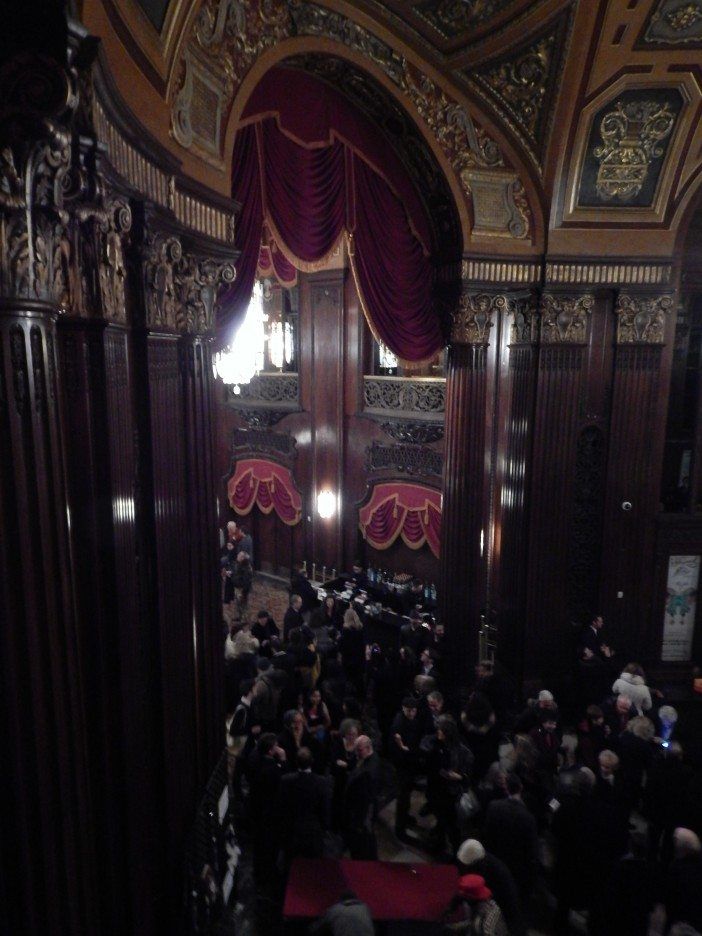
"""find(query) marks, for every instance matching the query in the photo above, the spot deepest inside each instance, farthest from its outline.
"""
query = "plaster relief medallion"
(675, 22)
(626, 151)
(452, 18)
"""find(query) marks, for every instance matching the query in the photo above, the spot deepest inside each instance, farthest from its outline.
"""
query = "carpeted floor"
(267, 594)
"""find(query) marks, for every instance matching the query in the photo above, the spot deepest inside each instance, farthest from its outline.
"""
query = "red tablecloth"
(392, 890)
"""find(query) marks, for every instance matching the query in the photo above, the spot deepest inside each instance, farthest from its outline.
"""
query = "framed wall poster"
(680, 608)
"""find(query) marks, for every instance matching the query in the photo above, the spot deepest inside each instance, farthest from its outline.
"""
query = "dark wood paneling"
(462, 579)
(173, 583)
(45, 802)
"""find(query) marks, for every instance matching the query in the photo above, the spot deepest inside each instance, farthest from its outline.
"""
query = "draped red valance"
(309, 167)
(275, 265)
(396, 508)
(267, 485)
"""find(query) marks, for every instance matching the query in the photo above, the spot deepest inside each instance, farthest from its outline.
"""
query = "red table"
(393, 890)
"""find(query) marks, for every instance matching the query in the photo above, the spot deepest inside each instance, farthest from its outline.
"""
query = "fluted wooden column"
(462, 582)
(47, 858)
(509, 575)
(562, 363)
(641, 380)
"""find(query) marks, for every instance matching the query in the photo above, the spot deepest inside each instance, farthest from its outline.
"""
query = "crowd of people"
(545, 810)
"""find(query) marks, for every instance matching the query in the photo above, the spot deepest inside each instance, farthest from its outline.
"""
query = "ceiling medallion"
(631, 134)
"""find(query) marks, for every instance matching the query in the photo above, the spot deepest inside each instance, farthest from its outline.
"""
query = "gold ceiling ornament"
(521, 84)
(229, 35)
(641, 319)
(564, 318)
(473, 318)
(684, 17)
(452, 18)
(631, 133)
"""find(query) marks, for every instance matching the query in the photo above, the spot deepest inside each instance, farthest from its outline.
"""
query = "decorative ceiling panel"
(523, 84)
(454, 18)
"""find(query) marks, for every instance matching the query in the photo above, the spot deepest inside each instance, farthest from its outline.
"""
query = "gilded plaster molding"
(641, 319)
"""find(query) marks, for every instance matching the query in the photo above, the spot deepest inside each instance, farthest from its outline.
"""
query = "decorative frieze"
(405, 459)
(641, 319)
(198, 282)
(473, 319)
(413, 433)
(418, 399)
(608, 273)
(160, 254)
(564, 319)
(517, 272)
(259, 440)
(524, 329)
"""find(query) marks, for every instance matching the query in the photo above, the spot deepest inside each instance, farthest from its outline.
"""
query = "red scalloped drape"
(274, 264)
(412, 511)
(268, 486)
(309, 167)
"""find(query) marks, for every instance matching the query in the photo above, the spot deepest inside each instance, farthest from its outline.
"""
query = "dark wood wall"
(332, 441)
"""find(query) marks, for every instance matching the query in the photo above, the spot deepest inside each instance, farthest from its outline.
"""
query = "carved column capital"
(199, 281)
(161, 253)
(525, 321)
(473, 318)
(641, 318)
(36, 104)
(564, 318)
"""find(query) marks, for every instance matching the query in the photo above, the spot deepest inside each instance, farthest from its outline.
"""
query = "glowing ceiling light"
(242, 359)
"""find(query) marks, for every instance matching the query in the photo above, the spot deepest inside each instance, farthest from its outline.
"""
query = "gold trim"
(500, 271)
(609, 274)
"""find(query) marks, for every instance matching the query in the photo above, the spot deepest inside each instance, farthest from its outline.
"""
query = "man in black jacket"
(304, 804)
(293, 616)
(510, 834)
(360, 803)
(403, 746)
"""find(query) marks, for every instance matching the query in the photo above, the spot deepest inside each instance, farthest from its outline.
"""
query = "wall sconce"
(327, 504)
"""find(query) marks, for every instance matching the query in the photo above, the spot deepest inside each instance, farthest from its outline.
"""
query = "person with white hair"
(683, 897)
(632, 683)
(473, 859)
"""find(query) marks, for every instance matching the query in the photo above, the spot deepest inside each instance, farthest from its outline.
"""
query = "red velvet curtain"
(267, 485)
(314, 168)
(396, 508)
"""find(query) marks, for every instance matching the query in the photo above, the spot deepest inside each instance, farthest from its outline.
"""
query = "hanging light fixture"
(242, 359)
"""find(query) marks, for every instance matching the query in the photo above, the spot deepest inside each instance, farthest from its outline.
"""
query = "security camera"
(626, 505)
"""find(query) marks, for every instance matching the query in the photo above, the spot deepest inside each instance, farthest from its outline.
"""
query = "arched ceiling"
(564, 126)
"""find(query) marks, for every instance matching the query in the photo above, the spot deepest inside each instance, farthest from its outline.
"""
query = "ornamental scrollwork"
(35, 157)
(524, 329)
(641, 319)
(413, 433)
(406, 459)
(161, 253)
(230, 34)
(473, 319)
(261, 440)
(269, 389)
(564, 319)
(199, 282)
(402, 395)
(631, 136)
(684, 17)
(452, 18)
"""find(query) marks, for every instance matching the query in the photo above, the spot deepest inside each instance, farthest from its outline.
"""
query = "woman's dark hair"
(447, 725)
(266, 743)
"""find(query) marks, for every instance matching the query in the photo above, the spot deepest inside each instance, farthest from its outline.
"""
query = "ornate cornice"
(641, 319)
(564, 319)
(473, 319)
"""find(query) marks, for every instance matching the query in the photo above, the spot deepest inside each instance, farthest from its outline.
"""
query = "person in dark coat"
(415, 635)
(683, 892)
(264, 771)
(403, 747)
(301, 585)
(349, 916)
(352, 646)
(473, 859)
(665, 797)
(624, 901)
(303, 806)
(510, 833)
(264, 629)
(293, 616)
(360, 803)
(590, 837)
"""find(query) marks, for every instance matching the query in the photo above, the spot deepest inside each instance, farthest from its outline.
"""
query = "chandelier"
(242, 359)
